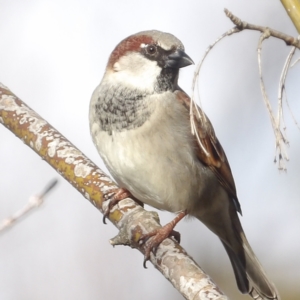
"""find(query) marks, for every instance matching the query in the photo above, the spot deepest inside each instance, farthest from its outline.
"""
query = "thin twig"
(281, 90)
(277, 124)
(280, 140)
(295, 62)
(281, 86)
(289, 40)
(34, 201)
(200, 114)
(289, 108)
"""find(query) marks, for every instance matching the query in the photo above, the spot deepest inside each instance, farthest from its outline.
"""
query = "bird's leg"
(115, 196)
(159, 235)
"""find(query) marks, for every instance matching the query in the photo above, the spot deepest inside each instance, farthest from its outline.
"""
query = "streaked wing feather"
(213, 156)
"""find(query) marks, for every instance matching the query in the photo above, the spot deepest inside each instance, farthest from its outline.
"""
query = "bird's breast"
(155, 161)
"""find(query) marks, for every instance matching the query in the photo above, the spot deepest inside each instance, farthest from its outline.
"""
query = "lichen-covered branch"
(130, 218)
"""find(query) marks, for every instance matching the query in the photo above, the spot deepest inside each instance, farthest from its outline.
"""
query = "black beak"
(178, 59)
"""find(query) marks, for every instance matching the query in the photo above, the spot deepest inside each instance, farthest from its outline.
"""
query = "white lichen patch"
(7, 102)
(1, 120)
(49, 138)
(87, 196)
(25, 114)
(54, 145)
(193, 285)
(104, 177)
(106, 189)
(126, 203)
(168, 247)
(38, 142)
(35, 124)
(82, 170)
(69, 153)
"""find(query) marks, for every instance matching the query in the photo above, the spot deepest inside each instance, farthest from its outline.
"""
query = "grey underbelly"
(155, 172)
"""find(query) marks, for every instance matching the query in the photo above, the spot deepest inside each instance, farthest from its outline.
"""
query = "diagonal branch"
(130, 218)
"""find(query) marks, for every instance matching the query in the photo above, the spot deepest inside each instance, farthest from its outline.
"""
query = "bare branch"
(195, 84)
(281, 87)
(241, 25)
(288, 65)
(34, 201)
(280, 139)
(130, 218)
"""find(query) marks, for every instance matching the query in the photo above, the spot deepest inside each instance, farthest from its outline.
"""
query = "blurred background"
(53, 54)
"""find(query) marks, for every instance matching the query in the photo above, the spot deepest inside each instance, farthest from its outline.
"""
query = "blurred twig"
(34, 201)
(200, 113)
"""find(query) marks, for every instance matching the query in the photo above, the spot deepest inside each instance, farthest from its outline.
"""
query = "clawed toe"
(153, 239)
(114, 197)
(156, 236)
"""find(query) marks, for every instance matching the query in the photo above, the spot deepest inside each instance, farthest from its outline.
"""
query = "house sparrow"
(140, 125)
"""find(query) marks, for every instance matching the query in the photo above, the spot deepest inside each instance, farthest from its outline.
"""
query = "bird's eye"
(151, 49)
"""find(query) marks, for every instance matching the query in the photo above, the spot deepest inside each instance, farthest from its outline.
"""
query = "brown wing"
(209, 149)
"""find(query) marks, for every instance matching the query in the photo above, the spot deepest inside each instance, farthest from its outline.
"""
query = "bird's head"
(148, 60)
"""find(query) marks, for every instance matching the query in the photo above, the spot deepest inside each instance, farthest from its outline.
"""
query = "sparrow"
(164, 152)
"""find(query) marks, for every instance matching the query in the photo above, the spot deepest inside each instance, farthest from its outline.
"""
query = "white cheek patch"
(137, 71)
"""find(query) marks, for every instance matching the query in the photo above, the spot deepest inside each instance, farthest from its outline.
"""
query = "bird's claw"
(159, 235)
(155, 237)
(114, 197)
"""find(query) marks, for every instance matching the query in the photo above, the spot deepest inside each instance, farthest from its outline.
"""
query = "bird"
(162, 149)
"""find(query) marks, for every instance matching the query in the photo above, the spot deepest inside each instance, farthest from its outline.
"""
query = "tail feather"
(238, 269)
(249, 274)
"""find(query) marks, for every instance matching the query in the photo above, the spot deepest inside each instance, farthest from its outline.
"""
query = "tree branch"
(130, 218)
(242, 25)
(281, 141)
